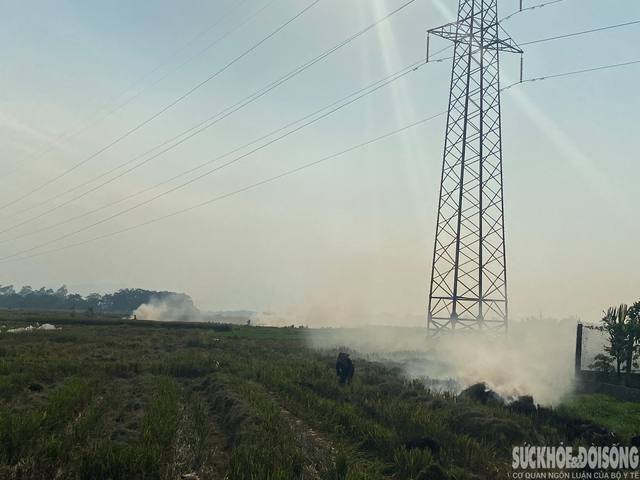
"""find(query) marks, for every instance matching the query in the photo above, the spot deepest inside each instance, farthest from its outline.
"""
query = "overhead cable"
(263, 182)
(31, 156)
(369, 89)
(12, 258)
(209, 172)
(201, 84)
(209, 122)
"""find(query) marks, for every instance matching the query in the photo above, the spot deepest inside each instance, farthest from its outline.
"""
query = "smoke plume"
(535, 359)
(170, 308)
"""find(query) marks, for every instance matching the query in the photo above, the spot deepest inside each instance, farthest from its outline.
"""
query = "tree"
(8, 290)
(94, 300)
(623, 325)
(602, 363)
(25, 290)
(614, 323)
(74, 298)
(62, 292)
(124, 300)
(633, 325)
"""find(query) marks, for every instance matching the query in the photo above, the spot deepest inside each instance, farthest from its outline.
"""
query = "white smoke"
(268, 319)
(171, 308)
(334, 315)
(536, 358)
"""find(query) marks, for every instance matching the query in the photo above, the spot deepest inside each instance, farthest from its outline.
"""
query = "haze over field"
(348, 241)
(536, 358)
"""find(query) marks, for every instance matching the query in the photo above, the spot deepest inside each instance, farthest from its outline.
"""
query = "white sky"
(356, 229)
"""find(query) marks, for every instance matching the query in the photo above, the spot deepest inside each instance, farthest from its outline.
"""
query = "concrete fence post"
(578, 366)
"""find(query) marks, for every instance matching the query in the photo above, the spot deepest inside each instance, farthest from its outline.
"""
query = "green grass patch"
(266, 449)
(621, 417)
(153, 455)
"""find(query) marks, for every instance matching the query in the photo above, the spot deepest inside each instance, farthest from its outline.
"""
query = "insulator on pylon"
(427, 59)
(521, 66)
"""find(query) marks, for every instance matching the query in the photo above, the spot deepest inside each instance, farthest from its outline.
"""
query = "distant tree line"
(125, 300)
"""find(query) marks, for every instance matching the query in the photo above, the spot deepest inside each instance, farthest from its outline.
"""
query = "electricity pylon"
(469, 273)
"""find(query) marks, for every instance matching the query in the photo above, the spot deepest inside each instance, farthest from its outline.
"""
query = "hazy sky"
(356, 230)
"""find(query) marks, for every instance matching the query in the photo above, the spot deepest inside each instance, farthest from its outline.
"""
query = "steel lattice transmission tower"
(469, 276)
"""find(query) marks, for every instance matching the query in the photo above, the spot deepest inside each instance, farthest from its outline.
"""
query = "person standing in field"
(344, 368)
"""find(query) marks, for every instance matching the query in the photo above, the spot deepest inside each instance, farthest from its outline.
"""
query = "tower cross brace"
(468, 290)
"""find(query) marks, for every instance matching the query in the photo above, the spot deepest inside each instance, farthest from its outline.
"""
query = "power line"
(215, 169)
(259, 94)
(10, 258)
(381, 83)
(576, 72)
(263, 182)
(227, 112)
(509, 16)
(163, 78)
(24, 161)
(165, 108)
(535, 7)
(196, 168)
(582, 33)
